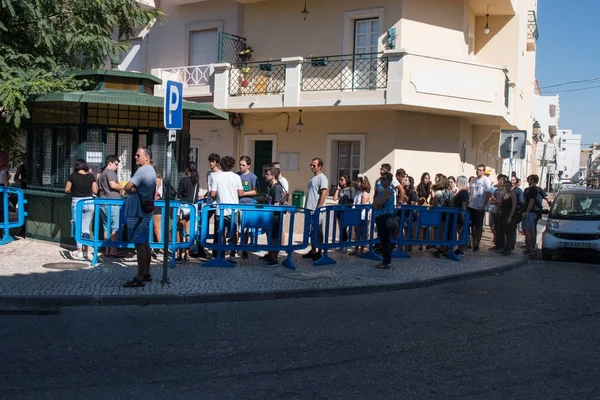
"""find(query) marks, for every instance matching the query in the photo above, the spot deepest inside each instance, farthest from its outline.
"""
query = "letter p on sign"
(173, 106)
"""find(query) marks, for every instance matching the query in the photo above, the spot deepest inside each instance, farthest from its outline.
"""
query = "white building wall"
(568, 153)
(546, 110)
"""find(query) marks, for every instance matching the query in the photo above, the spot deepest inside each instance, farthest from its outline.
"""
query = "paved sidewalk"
(26, 280)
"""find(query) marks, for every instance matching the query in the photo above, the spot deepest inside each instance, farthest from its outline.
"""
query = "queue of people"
(507, 204)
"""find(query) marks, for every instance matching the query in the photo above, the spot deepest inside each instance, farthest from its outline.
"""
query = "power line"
(575, 90)
(570, 83)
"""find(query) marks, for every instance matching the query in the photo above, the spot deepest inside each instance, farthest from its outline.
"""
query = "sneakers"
(271, 264)
(76, 254)
(459, 252)
(475, 248)
(310, 254)
(244, 255)
(232, 253)
(317, 256)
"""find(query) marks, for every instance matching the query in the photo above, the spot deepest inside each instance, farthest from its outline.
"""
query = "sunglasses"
(313, 165)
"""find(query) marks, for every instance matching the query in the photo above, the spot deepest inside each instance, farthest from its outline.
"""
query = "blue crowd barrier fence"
(431, 226)
(252, 220)
(118, 205)
(343, 226)
(8, 222)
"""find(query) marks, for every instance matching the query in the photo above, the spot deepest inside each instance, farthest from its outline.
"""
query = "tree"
(41, 40)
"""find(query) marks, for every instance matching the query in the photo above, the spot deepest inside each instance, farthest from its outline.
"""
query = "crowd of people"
(510, 208)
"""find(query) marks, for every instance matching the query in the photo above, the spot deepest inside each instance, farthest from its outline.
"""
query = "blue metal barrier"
(418, 220)
(6, 192)
(252, 219)
(110, 205)
(336, 220)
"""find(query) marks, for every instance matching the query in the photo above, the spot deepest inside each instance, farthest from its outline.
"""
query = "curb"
(14, 302)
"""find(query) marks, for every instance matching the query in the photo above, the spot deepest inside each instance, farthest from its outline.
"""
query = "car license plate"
(577, 245)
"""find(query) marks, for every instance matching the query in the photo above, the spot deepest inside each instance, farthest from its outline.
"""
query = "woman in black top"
(82, 185)
(424, 188)
(461, 201)
(508, 219)
(188, 192)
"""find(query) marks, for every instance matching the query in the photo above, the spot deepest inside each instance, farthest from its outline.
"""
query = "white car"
(573, 224)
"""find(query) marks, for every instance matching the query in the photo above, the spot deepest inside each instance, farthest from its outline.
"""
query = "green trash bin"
(298, 199)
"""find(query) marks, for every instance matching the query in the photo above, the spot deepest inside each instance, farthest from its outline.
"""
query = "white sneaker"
(76, 254)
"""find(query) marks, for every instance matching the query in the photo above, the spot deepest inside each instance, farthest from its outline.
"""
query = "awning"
(198, 110)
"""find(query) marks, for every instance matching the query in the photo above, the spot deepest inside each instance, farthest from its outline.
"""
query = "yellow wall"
(275, 28)
(413, 141)
(435, 27)
(168, 40)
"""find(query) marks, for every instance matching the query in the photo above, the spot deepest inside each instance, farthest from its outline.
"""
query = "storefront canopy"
(119, 97)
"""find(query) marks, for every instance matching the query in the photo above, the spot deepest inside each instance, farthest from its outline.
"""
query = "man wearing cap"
(479, 194)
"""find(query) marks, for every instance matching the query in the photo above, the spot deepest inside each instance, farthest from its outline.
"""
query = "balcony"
(396, 79)
(532, 30)
(196, 79)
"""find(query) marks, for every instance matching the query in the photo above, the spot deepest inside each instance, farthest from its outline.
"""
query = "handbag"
(392, 222)
(147, 205)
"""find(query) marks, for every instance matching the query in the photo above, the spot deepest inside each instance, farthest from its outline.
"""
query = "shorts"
(477, 217)
(114, 217)
(529, 221)
(138, 230)
(227, 228)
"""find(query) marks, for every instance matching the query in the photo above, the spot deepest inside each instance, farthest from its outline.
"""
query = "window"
(345, 155)
(204, 47)
(348, 160)
(53, 155)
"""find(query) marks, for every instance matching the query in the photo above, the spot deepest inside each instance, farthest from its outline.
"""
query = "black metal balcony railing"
(506, 92)
(266, 77)
(230, 47)
(532, 27)
(344, 72)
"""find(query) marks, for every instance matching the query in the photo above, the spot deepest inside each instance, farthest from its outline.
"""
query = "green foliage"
(41, 40)
(12, 141)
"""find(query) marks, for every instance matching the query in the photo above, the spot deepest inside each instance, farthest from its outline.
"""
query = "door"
(204, 47)
(348, 160)
(263, 154)
(366, 40)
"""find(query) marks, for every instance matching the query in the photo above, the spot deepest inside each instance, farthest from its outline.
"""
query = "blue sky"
(568, 50)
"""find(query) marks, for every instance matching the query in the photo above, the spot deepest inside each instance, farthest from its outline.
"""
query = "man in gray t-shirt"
(316, 194)
(110, 189)
(140, 188)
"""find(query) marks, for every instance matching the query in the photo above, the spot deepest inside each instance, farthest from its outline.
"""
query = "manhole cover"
(472, 292)
(65, 265)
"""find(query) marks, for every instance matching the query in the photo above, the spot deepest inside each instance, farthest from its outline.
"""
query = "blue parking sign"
(173, 108)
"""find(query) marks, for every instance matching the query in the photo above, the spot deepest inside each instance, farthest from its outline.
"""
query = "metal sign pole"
(167, 218)
(173, 120)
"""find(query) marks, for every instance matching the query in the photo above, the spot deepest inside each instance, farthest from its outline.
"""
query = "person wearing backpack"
(533, 206)
(188, 192)
(442, 197)
(275, 197)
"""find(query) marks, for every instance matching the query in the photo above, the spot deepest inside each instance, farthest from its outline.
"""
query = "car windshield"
(583, 206)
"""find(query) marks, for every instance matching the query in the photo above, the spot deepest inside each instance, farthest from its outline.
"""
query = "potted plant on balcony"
(318, 61)
(266, 66)
(246, 54)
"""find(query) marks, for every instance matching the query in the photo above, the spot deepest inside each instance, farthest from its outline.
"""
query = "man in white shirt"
(284, 182)
(227, 189)
(479, 195)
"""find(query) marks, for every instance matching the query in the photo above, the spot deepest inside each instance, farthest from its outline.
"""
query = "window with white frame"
(348, 159)
(345, 155)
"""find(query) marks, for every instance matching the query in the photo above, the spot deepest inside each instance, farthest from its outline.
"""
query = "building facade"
(423, 85)
(546, 111)
(568, 153)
